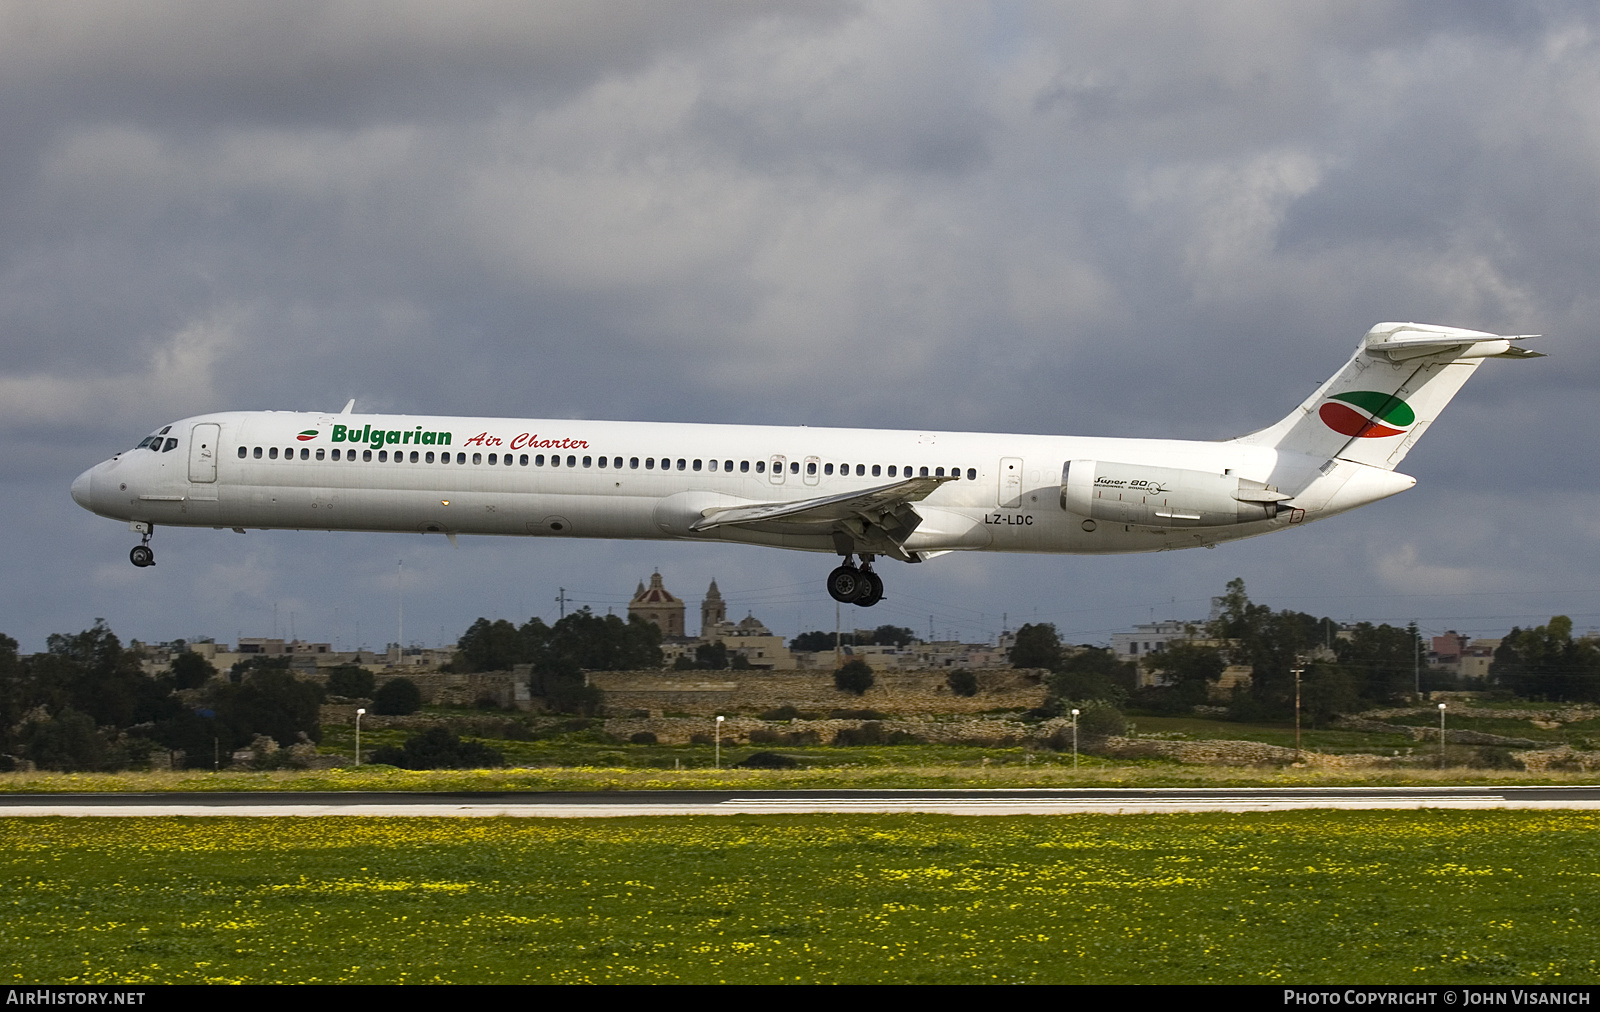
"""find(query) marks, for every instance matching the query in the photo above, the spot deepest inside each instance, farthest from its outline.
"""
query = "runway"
(1108, 801)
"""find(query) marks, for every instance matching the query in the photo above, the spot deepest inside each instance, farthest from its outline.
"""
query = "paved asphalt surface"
(951, 802)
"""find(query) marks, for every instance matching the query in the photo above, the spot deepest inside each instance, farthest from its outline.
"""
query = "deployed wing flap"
(870, 505)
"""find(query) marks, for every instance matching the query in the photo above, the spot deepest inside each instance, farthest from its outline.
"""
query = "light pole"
(1297, 673)
(1441, 736)
(359, 711)
(1075, 738)
(720, 719)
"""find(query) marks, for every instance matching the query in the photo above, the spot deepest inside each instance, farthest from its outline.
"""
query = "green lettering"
(338, 433)
(427, 438)
(394, 436)
(444, 439)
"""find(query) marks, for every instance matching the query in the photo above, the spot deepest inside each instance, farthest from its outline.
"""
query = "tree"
(855, 676)
(1547, 663)
(191, 671)
(489, 646)
(1036, 646)
(398, 697)
(1092, 673)
(270, 701)
(818, 641)
(711, 656)
(439, 748)
(962, 682)
(351, 681)
(1189, 671)
(68, 741)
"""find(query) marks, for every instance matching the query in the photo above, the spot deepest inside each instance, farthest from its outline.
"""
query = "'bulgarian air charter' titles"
(380, 437)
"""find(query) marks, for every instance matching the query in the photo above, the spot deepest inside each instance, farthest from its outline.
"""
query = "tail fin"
(1386, 396)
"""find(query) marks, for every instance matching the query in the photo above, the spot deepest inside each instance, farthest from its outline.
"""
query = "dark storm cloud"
(1161, 219)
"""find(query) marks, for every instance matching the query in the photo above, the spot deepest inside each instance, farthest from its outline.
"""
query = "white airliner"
(861, 493)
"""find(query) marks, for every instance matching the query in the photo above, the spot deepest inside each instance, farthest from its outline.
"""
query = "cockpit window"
(171, 444)
(164, 430)
(144, 442)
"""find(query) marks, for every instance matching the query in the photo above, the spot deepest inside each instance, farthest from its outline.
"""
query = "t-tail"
(1374, 409)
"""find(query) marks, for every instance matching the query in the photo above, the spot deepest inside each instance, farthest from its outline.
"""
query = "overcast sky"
(1154, 219)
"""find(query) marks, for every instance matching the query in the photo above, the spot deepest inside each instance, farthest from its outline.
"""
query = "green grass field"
(1301, 897)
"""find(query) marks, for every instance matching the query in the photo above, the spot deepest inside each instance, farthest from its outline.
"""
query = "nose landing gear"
(142, 555)
(850, 585)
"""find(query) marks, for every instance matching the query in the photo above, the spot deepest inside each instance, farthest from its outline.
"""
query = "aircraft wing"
(885, 506)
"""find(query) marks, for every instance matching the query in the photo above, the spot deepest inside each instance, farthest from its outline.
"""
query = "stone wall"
(894, 692)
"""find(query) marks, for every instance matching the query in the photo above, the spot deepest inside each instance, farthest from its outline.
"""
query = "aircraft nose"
(81, 487)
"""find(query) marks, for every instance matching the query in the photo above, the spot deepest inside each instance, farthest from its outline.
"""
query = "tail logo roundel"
(1367, 414)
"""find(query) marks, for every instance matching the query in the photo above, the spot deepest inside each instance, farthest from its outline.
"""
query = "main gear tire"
(871, 591)
(844, 584)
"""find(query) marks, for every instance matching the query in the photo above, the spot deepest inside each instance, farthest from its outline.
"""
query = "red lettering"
(481, 439)
(519, 441)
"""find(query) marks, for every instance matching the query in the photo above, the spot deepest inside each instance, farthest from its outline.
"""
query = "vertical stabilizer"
(1374, 409)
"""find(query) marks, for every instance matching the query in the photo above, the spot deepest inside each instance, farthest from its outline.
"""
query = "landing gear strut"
(850, 585)
(141, 555)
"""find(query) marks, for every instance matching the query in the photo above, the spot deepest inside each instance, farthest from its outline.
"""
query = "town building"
(656, 604)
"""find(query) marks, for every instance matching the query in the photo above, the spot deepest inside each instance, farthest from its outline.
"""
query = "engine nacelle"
(1146, 496)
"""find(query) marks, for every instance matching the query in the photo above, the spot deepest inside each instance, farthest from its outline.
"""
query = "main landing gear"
(849, 585)
(141, 555)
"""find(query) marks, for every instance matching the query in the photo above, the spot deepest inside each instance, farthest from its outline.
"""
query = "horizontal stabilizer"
(1395, 385)
(1400, 342)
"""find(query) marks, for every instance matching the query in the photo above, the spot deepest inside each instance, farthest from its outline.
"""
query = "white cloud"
(177, 376)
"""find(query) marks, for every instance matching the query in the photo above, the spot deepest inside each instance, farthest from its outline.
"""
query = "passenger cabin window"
(242, 452)
(477, 458)
(633, 463)
(321, 453)
(761, 467)
(744, 467)
(366, 456)
(588, 462)
(828, 468)
(273, 453)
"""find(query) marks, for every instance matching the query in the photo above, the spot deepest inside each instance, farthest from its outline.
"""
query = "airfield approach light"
(720, 719)
(359, 711)
(1441, 736)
